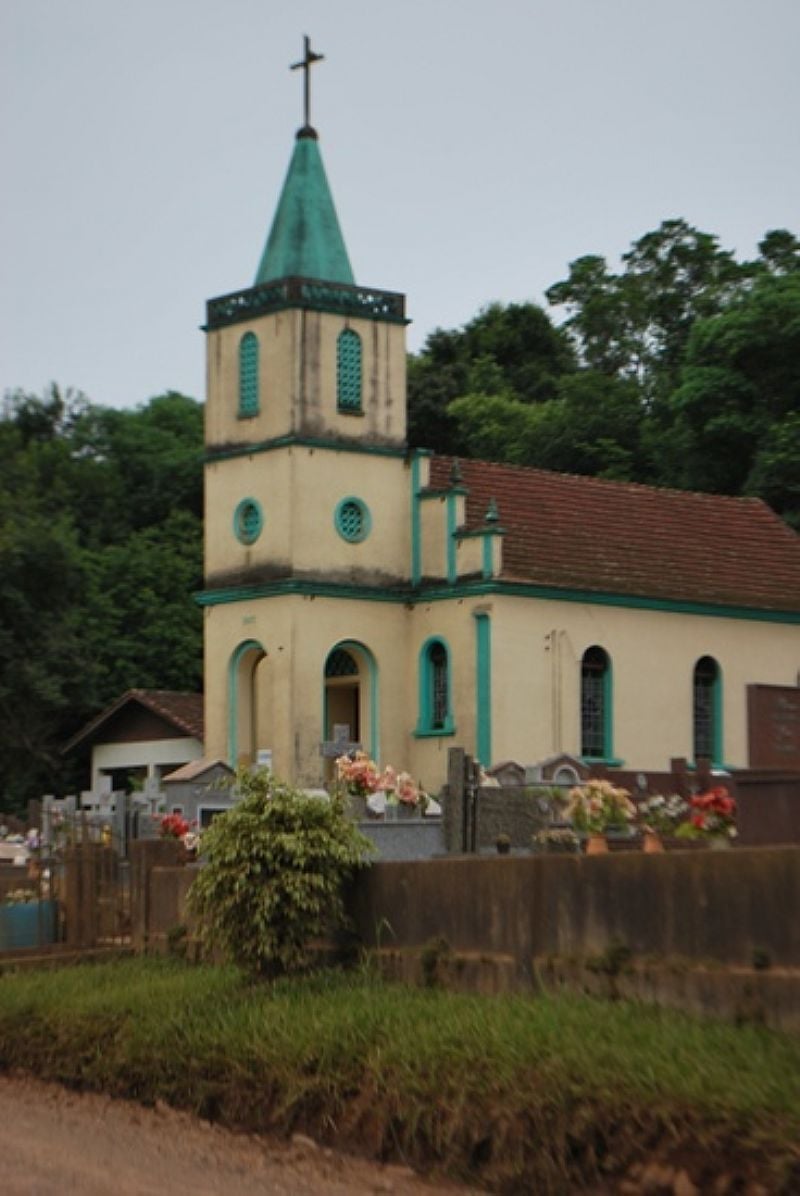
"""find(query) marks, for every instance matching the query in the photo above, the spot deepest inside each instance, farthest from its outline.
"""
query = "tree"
(735, 413)
(273, 874)
(41, 649)
(100, 553)
(512, 350)
(636, 324)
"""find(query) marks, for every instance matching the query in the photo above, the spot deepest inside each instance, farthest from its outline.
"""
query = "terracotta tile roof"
(616, 537)
(195, 769)
(184, 711)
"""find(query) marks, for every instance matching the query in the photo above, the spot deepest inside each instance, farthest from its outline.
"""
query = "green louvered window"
(248, 375)
(348, 371)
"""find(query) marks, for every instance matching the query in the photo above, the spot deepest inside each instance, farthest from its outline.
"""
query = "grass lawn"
(505, 1091)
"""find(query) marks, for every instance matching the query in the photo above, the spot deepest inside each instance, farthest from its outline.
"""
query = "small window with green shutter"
(248, 375)
(348, 372)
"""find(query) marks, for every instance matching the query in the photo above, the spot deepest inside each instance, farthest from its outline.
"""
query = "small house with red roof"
(361, 592)
(142, 736)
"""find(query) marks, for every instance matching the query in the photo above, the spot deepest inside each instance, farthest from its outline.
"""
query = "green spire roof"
(305, 240)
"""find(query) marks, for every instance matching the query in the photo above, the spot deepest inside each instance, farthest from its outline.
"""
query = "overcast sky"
(474, 148)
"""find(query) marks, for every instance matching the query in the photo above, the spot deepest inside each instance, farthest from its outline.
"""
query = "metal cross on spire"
(305, 64)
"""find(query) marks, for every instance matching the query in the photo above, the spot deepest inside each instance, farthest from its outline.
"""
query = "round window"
(248, 521)
(352, 520)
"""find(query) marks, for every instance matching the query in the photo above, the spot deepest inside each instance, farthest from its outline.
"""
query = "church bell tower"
(306, 475)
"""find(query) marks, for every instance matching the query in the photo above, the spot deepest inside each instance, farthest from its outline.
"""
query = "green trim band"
(483, 688)
(452, 567)
(281, 442)
(416, 522)
(482, 588)
(488, 556)
(313, 294)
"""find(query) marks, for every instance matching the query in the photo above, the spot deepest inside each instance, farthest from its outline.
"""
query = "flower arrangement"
(359, 775)
(557, 839)
(713, 814)
(173, 826)
(599, 806)
(659, 815)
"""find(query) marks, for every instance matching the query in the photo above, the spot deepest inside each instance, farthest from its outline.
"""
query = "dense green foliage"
(513, 1093)
(273, 874)
(679, 370)
(100, 552)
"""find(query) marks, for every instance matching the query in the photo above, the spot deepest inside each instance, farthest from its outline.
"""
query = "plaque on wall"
(773, 727)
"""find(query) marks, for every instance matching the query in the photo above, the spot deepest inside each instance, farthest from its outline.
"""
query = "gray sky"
(474, 148)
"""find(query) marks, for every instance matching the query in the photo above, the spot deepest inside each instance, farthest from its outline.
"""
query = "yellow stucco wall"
(298, 489)
(297, 380)
(537, 648)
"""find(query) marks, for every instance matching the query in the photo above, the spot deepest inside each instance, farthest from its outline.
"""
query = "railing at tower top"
(336, 297)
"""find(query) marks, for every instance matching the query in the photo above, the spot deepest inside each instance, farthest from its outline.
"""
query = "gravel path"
(53, 1141)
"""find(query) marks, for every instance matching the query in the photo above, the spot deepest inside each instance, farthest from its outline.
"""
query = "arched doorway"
(350, 708)
(246, 714)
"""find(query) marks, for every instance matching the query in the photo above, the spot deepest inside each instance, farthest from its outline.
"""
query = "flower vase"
(719, 843)
(596, 845)
(652, 843)
(357, 806)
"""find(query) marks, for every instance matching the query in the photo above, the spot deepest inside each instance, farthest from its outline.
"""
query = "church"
(362, 592)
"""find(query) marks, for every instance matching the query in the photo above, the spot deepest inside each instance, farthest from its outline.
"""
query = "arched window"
(596, 704)
(435, 703)
(707, 710)
(348, 371)
(340, 663)
(248, 375)
(350, 697)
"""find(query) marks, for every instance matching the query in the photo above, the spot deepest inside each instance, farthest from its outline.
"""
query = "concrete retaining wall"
(719, 906)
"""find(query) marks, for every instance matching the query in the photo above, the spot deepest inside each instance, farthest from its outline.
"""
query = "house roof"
(570, 532)
(183, 711)
(197, 768)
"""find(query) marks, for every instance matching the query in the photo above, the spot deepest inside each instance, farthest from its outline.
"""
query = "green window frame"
(348, 372)
(352, 519)
(248, 376)
(248, 521)
(707, 710)
(596, 706)
(435, 715)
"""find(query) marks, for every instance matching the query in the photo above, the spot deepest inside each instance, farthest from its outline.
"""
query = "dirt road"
(53, 1141)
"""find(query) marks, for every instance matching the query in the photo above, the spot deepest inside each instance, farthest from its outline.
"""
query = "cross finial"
(305, 64)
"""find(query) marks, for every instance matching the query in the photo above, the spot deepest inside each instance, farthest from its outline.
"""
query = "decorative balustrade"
(305, 292)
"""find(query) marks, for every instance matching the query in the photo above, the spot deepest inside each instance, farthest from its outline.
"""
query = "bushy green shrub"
(273, 874)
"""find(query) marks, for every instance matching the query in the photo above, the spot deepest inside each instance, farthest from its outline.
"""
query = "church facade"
(358, 591)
